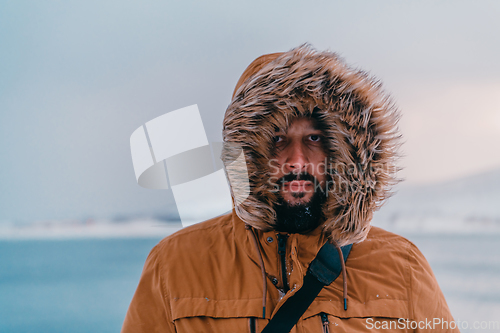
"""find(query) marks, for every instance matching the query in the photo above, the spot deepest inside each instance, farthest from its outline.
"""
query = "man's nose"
(297, 159)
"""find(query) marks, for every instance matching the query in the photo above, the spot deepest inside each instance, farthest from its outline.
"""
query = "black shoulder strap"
(322, 271)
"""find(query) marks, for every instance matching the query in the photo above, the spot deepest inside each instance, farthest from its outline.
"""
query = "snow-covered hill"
(469, 204)
(69, 229)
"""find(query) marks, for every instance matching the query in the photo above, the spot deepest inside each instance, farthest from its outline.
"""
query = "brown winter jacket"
(207, 277)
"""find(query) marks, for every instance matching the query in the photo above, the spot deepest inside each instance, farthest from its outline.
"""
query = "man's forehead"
(307, 123)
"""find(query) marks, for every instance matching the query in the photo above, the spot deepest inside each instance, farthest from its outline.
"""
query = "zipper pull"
(325, 322)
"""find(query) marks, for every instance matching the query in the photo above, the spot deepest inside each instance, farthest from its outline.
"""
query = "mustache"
(301, 176)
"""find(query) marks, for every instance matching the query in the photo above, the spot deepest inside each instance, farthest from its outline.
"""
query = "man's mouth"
(298, 186)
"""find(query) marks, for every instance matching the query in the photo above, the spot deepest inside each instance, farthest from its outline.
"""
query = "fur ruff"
(358, 119)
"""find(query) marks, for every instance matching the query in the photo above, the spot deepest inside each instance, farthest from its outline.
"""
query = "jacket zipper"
(282, 254)
(251, 325)
(325, 322)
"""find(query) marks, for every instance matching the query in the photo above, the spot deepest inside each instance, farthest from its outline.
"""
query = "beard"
(299, 218)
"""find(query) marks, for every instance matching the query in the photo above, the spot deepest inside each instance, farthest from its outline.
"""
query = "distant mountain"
(466, 205)
(469, 204)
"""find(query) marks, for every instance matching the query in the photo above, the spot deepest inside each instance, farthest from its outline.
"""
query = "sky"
(78, 77)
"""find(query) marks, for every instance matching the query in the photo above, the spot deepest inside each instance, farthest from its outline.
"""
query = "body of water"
(68, 286)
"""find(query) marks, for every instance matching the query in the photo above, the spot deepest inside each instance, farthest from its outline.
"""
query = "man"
(319, 142)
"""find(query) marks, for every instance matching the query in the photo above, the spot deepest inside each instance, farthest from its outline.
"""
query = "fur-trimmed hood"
(358, 120)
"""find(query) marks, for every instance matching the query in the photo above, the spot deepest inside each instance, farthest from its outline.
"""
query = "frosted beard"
(300, 218)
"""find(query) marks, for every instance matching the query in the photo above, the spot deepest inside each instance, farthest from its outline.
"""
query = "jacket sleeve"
(427, 303)
(149, 310)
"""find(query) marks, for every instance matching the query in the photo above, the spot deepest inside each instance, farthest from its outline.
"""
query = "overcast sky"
(77, 78)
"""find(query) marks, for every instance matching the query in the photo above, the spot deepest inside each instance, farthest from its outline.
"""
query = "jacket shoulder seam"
(184, 232)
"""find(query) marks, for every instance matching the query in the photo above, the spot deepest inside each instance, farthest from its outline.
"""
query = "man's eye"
(315, 138)
(277, 139)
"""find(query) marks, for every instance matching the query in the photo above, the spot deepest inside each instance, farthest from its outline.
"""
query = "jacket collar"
(300, 248)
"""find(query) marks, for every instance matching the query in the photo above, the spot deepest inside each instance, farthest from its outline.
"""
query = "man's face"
(299, 162)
